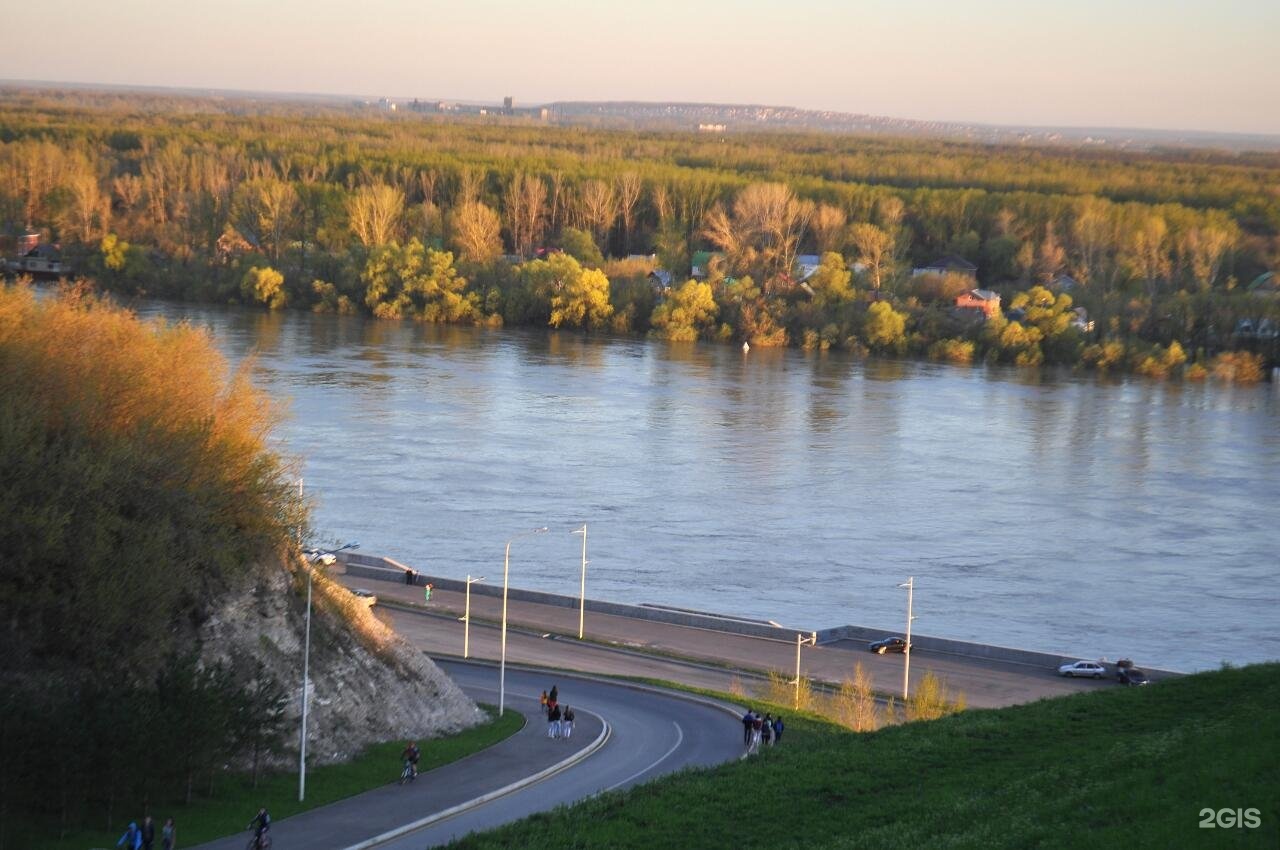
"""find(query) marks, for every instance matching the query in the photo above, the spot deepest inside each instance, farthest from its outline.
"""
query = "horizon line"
(1273, 137)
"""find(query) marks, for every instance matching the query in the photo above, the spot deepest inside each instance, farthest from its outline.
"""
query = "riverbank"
(727, 646)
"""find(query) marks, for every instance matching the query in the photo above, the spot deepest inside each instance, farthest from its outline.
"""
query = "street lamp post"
(582, 593)
(906, 652)
(306, 663)
(466, 619)
(502, 664)
(811, 640)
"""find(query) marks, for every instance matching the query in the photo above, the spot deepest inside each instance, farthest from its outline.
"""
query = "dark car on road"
(1131, 676)
(889, 644)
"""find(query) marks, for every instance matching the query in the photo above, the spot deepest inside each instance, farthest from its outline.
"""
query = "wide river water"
(1041, 510)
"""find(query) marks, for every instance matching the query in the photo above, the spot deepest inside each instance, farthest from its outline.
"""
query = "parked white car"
(1083, 668)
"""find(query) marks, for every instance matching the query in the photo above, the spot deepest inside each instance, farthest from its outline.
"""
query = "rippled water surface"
(1044, 511)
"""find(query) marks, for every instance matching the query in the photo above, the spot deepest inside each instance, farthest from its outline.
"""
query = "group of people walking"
(144, 837)
(559, 720)
(757, 730)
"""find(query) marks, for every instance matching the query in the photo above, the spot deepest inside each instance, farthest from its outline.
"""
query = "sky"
(1207, 65)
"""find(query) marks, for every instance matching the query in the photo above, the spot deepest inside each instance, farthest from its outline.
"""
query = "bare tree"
(375, 212)
(477, 232)
(660, 197)
(556, 201)
(764, 231)
(1146, 250)
(828, 228)
(1204, 248)
(889, 210)
(1051, 256)
(428, 179)
(88, 215)
(628, 187)
(128, 191)
(598, 209)
(874, 249)
(1091, 230)
(470, 185)
(526, 207)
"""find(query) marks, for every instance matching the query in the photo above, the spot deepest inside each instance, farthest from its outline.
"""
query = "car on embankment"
(889, 644)
(368, 597)
(1090, 669)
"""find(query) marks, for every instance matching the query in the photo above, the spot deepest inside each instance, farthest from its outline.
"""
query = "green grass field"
(1121, 767)
(234, 801)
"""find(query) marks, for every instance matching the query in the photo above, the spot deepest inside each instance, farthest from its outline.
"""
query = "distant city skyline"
(1175, 65)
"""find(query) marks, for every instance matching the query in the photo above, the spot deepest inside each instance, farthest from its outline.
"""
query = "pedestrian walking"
(554, 696)
(148, 831)
(168, 836)
(746, 728)
(766, 729)
(777, 728)
(426, 592)
(543, 701)
(132, 838)
(757, 723)
(553, 722)
(566, 723)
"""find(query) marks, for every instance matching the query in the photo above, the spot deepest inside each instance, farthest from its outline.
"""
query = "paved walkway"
(355, 819)
(984, 684)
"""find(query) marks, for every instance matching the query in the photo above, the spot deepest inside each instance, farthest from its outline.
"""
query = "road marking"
(674, 747)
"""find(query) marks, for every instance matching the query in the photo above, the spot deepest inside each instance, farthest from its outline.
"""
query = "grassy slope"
(1114, 768)
(235, 801)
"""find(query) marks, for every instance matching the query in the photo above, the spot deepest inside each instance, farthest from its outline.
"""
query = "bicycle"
(256, 843)
(409, 773)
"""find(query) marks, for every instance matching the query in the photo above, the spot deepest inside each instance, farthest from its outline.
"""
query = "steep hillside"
(152, 592)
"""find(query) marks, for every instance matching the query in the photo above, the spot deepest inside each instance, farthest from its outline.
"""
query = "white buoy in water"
(746, 346)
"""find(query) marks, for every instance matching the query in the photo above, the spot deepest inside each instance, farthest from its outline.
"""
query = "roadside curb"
(400, 831)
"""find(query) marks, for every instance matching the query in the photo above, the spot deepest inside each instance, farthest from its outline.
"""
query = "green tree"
(831, 283)
(264, 285)
(580, 297)
(885, 328)
(416, 282)
(580, 245)
(687, 313)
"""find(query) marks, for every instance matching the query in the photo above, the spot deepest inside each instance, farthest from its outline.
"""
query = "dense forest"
(1149, 261)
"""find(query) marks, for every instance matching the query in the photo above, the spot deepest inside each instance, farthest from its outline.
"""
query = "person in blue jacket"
(132, 838)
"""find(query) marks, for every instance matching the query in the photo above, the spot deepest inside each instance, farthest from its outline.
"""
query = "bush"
(1240, 367)
(952, 350)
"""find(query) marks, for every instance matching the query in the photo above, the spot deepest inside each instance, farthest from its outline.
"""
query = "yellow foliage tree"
(264, 285)
(580, 297)
(689, 312)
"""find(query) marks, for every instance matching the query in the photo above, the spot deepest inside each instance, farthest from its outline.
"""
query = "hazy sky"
(1207, 65)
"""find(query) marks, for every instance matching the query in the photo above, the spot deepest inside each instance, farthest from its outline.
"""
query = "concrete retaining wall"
(386, 569)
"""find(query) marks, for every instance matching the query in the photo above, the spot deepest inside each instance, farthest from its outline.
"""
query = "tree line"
(517, 224)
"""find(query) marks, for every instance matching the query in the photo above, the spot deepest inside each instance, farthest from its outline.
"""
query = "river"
(1052, 511)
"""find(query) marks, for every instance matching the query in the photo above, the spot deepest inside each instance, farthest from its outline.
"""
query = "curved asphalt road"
(652, 733)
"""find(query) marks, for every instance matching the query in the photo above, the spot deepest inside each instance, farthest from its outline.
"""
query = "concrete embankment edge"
(385, 569)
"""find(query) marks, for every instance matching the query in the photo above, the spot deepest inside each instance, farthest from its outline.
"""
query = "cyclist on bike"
(410, 755)
(261, 825)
